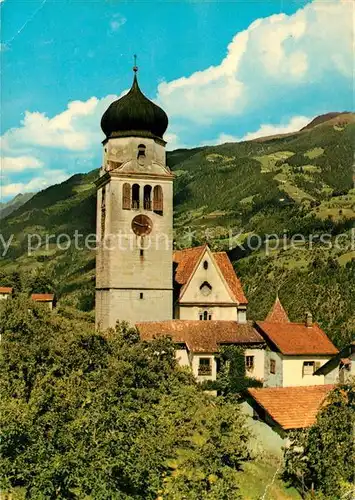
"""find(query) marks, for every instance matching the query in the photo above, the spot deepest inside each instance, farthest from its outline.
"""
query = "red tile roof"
(228, 272)
(5, 289)
(292, 407)
(297, 338)
(42, 297)
(201, 336)
(277, 313)
(188, 259)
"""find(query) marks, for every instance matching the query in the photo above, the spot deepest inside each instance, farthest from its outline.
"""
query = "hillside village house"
(44, 298)
(5, 292)
(276, 411)
(294, 350)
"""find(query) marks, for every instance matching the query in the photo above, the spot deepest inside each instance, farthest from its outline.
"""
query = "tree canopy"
(321, 459)
(89, 415)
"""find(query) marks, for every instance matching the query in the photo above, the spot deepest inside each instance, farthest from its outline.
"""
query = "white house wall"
(293, 370)
(259, 363)
(218, 312)
(273, 379)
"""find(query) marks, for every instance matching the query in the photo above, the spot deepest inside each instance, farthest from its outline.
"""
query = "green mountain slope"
(232, 196)
(10, 206)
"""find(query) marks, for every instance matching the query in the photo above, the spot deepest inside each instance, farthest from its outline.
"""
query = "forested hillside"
(232, 196)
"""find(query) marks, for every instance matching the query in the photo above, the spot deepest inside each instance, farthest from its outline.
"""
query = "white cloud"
(294, 125)
(36, 184)
(276, 53)
(265, 130)
(19, 164)
(117, 22)
(75, 129)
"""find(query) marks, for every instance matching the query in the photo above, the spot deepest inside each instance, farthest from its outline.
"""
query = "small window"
(135, 196)
(205, 366)
(158, 200)
(126, 196)
(141, 152)
(147, 197)
(205, 315)
(141, 295)
(141, 252)
(308, 368)
(272, 366)
(249, 363)
(205, 264)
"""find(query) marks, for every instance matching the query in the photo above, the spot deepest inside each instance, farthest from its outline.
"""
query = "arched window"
(126, 196)
(205, 316)
(141, 154)
(141, 151)
(135, 196)
(147, 200)
(205, 264)
(158, 200)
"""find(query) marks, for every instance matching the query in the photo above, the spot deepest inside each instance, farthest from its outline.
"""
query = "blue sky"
(222, 70)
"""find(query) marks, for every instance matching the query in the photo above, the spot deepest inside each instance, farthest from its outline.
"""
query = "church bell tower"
(134, 214)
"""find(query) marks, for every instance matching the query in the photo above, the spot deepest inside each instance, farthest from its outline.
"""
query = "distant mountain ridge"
(10, 206)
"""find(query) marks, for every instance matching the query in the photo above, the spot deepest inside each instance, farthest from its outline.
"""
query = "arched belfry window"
(147, 199)
(126, 196)
(135, 196)
(141, 153)
(158, 201)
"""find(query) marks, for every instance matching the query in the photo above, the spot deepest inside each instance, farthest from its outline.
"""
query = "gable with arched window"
(158, 201)
(126, 196)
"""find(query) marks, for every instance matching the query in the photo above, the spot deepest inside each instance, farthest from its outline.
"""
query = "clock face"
(142, 225)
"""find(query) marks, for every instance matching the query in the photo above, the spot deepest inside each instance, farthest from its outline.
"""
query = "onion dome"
(134, 115)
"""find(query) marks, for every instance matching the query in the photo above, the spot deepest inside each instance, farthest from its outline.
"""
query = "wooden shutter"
(158, 200)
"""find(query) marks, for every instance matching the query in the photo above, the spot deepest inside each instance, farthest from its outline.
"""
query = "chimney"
(241, 314)
(309, 319)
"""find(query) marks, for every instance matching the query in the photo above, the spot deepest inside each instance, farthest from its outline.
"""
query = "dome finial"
(135, 67)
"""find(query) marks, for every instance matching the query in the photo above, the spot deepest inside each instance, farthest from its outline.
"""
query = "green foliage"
(322, 286)
(323, 457)
(85, 415)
